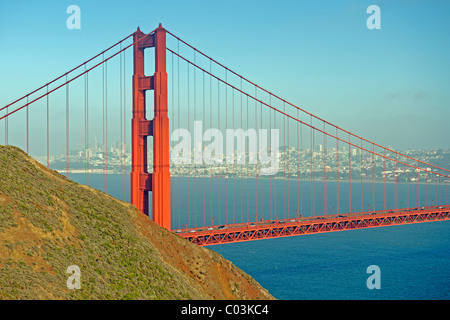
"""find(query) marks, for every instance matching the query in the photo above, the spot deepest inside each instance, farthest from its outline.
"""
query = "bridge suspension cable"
(298, 108)
(320, 130)
(314, 176)
(364, 168)
(64, 80)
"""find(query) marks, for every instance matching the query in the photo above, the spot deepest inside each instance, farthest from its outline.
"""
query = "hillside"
(48, 223)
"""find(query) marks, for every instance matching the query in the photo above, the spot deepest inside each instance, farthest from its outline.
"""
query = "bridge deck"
(268, 229)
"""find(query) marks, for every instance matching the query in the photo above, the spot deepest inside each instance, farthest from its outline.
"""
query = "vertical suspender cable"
(418, 186)
(301, 175)
(298, 166)
(6, 127)
(179, 116)
(248, 160)
(234, 162)
(288, 179)
(324, 171)
(384, 178)
(311, 166)
(261, 180)
(373, 177)
(242, 155)
(275, 181)
(120, 126)
(202, 149)
(271, 152)
(195, 148)
(226, 165)
(210, 126)
(395, 186)
(125, 125)
(416, 192)
(436, 184)
(407, 185)
(28, 131)
(172, 206)
(103, 121)
(429, 190)
(349, 176)
(439, 177)
(67, 130)
(218, 164)
(256, 162)
(86, 128)
(284, 162)
(337, 173)
(48, 132)
(362, 209)
(106, 126)
(314, 176)
(188, 126)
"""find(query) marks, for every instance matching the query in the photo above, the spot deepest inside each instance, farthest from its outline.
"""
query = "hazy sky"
(389, 85)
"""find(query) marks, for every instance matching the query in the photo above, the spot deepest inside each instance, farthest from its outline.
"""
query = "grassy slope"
(48, 223)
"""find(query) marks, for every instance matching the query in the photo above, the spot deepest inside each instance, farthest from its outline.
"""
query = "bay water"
(413, 260)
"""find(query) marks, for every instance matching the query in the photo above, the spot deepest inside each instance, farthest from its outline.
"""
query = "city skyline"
(290, 162)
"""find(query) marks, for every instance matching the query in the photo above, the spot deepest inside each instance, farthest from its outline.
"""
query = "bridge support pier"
(158, 182)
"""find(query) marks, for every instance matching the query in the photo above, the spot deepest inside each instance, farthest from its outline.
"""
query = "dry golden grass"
(48, 223)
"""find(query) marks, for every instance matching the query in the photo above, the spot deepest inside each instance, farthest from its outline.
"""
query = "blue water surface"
(414, 259)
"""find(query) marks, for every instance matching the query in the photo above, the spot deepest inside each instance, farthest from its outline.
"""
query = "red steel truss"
(281, 228)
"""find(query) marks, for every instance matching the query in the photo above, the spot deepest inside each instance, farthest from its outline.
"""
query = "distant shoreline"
(230, 177)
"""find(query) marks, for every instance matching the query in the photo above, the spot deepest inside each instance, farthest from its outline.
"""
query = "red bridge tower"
(158, 182)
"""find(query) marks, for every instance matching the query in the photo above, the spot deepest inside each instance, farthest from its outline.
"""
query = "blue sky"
(389, 85)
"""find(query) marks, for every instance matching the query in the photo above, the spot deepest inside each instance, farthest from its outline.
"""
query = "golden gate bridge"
(348, 183)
